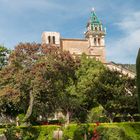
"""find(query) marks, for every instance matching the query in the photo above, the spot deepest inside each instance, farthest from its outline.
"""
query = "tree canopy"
(4, 52)
(138, 77)
(39, 80)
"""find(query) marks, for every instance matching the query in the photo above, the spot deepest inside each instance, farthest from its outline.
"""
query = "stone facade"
(114, 67)
(93, 45)
(75, 46)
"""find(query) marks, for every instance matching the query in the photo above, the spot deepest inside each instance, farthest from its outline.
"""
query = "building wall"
(98, 51)
(75, 46)
(79, 46)
(51, 35)
(124, 71)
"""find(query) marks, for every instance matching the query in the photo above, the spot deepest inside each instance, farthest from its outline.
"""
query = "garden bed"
(105, 131)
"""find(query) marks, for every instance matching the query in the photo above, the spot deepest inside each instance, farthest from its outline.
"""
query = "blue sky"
(25, 20)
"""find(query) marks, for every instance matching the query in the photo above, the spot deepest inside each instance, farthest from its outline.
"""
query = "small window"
(100, 28)
(95, 41)
(53, 39)
(99, 41)
(49, 39)
(95, 28)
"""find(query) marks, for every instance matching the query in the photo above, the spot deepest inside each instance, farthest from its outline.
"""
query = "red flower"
(97, 123)
(95, 131)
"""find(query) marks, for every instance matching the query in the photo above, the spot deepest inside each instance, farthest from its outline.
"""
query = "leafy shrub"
(10, 133)
(136, 117)
(46, 132)
(118, 119)
(103, 119)
(81, 131)
(20, 118)
(106, 131)
(113, 133)
(7, 125)
(97, 114)
(54, 122)
(14, 133)
(69, 131)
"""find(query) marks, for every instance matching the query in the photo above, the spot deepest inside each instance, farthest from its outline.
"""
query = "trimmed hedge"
(31, 133)
(105, 131)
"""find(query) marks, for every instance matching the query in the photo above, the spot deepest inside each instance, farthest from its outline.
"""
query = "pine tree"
(138, 77)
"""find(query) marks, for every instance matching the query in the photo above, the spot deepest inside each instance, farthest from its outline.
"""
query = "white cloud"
(130, 22)
(124, 49)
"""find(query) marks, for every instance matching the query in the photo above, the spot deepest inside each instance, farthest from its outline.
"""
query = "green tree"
(96, 85)
(88, 74)
(15, 78)
(41, 76)
(4, 52)
(114, 90)
(138, 78)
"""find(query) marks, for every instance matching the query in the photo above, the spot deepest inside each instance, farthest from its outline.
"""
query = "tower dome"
(95, 35)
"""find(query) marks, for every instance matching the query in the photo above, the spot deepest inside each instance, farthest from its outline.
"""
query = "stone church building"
(92, 45)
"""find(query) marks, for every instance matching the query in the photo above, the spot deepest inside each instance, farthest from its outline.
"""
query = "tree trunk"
(68, 118)
(138, 78)
(30, 108)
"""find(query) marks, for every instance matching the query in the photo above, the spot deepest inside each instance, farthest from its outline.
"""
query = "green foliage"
(138, 78)
(113, 92)
(30, 133)
(40, 80)
(81, 131)
(36, 80)
(119, 131)
(98, 85)
(10, 133)
(20, 117)
(131, 129)
(46, 132)
(4, 52)
(97, 114)
(113, 133)
(69, 131)
(24, 133)
(136, 117)
(87, 74)
(2, 130)
(131, 67)
(106, 131)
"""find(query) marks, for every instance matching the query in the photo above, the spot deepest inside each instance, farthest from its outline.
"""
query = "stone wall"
(75, 46)
(99, 52)
(113, 66)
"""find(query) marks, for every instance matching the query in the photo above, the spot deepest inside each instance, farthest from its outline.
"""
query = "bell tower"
(95, 35)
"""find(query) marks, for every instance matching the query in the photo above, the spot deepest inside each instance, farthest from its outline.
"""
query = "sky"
(25, 20)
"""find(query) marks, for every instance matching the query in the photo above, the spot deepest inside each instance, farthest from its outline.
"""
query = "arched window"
(99, 41)
(95, 28)
(53, 39)
(49, 39)
(95, 41)
(100, 28)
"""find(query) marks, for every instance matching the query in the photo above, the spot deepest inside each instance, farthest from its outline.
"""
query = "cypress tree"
(138, 77)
